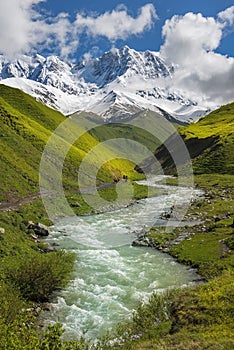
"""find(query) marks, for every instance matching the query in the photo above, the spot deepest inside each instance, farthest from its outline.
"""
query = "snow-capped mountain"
(118, 84)
(121, 63)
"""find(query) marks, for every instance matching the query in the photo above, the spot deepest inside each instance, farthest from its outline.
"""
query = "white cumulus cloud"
(190, 42)
(117, 24)
(16, 18)
(23, 28)
(227, 15)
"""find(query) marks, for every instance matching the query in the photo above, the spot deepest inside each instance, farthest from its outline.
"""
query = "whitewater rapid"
(111, 277)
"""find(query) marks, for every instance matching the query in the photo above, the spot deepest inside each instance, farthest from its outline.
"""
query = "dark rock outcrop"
(39, 229)
(75, 205)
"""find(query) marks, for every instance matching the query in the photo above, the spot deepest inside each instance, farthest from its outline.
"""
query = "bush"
(151, 320)
(11, 304)
(18, 335)
(37, 276)
(230, 242)
(52, 340)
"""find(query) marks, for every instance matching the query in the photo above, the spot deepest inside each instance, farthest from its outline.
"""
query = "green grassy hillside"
(28, 272)
(144, 128)
(210, 143)
(25, 127)
(200, 317)
(142, 133)
(216, 133)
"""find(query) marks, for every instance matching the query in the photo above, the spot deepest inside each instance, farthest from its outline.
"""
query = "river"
(111, 277)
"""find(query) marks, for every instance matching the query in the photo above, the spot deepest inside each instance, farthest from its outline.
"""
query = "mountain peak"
(118, 83)
(118, 62)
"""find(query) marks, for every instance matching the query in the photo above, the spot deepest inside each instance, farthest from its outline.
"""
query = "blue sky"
(195, 36)
(148, 39)
(74, 27)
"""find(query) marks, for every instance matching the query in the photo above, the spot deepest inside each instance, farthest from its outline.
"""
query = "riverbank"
(207, 244)
(94, 303)
(201, 317)
(197, 318)
(30, 270)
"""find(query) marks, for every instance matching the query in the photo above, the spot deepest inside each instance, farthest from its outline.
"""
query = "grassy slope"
(196, 319)
(202, 318)
(147, 128)
(25, 127)
(218, 126)
(210, 143)
(27, 275)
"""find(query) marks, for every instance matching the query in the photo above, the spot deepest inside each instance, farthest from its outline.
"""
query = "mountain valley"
(31, 271)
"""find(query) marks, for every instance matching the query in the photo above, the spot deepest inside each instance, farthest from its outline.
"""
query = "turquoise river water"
(111, 277)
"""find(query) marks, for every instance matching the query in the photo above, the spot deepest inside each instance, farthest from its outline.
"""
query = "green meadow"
(195, 318)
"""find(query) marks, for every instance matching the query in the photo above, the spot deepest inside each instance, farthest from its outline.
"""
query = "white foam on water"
(111, 277)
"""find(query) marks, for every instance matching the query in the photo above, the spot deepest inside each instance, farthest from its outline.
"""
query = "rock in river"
(38, 228)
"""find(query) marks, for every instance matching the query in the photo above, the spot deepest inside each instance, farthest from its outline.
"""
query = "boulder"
(76, 205)
(168, 214)
(144, 241)
(137, 243)
(38, 228)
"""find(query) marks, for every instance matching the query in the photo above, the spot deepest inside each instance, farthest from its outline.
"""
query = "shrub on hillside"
(37, 276)
(11, 304)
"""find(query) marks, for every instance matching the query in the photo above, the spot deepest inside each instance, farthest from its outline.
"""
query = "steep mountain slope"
(124, 62)
(143, 127)
(118, 84)
(218, 129)
(25, 127)
(196, 316)
(210, 143)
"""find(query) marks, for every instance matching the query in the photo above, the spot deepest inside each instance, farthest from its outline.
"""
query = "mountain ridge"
(210, 143)
(140, 79)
